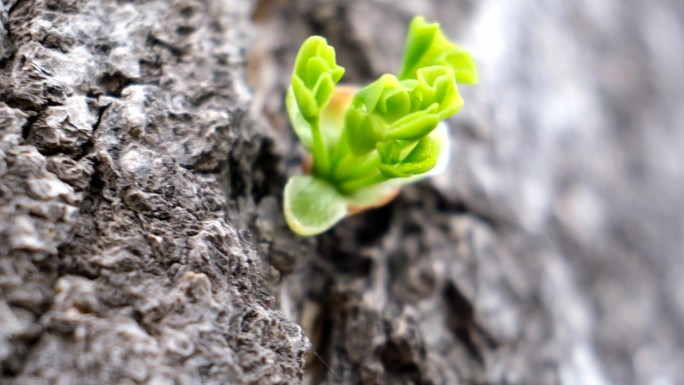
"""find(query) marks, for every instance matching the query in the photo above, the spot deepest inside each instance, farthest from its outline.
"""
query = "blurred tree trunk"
(551, 249)
(141, 238)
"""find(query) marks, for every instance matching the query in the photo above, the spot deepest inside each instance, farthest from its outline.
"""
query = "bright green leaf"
(390, 151)
(305, 100)
(437, 85)
(315, 68)
(420, 36)
(463, 65)
(413, 126)
(426, 45)
(309, 49)
(314, 77)
(324, 89)
(370, 95)
(361, 128)
(422, 159)
(399, 101)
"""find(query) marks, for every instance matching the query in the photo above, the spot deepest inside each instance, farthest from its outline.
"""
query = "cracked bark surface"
(118, 264)
(141, 238)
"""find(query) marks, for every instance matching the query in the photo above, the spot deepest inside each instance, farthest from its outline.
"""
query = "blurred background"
(551, 251)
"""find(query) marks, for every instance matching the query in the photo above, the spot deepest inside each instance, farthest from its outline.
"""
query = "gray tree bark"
(141, 238)
(118, 263)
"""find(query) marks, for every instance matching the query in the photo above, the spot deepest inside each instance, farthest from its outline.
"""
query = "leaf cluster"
(365, 143)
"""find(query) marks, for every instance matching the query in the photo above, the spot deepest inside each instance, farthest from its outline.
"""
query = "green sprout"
(366, 143)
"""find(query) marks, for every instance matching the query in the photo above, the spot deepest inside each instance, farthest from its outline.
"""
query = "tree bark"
(141, 234)
(118, 263)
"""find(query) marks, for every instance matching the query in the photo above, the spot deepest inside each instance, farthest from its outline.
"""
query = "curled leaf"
(437, 86)
(313, 84)
(427, 46)
(420, 160)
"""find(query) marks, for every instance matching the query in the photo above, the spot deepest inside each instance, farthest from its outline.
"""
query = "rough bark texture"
(141, 239)
(118, 264)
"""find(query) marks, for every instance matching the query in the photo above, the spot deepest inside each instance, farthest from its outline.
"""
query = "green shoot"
(365, 143)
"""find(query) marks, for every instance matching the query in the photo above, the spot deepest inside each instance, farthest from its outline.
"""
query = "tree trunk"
(118, 263)
(142, 240)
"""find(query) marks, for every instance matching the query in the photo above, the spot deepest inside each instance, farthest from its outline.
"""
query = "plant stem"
(357, 184)
(340, 151)
(320, 152)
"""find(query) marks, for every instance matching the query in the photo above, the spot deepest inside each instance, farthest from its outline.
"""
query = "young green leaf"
(390, 151)
(312, 205)
(306, 102)
(364, 131)
(414, 126)
(427, 46)
(420, 160)
(313, 83)
(437, 86)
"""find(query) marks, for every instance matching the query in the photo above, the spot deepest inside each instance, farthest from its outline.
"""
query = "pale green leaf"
(312, 205)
